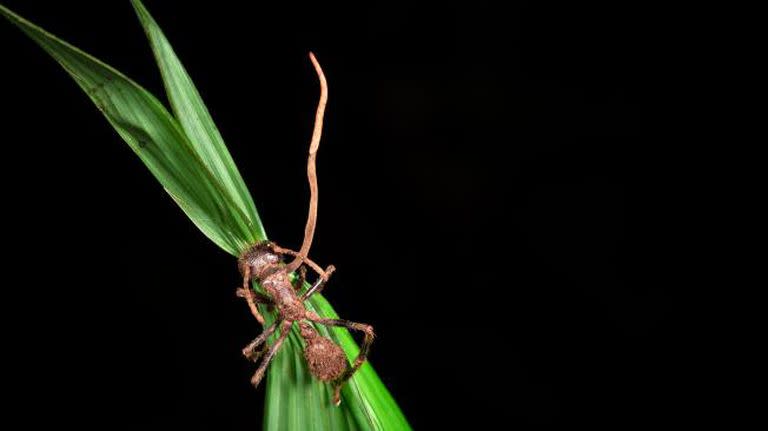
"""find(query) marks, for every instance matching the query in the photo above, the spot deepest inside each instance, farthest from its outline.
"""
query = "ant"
(262, 262)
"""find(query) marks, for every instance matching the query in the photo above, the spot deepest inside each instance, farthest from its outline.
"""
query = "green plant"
(186, 154)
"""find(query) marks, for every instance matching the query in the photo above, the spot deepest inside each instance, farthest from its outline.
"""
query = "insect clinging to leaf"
(263, 263)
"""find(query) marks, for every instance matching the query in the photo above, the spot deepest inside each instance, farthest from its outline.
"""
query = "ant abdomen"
(325, 358)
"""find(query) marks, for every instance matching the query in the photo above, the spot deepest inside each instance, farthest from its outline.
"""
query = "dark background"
(489, 197)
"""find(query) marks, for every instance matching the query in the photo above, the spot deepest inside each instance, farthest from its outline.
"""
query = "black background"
(487, 198)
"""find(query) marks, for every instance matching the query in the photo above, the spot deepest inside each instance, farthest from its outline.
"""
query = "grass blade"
(155, 136)
(195, 119)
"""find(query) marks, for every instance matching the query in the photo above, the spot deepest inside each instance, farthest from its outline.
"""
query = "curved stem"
(309, 230)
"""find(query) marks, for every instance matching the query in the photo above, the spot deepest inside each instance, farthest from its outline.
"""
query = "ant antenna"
(309, 230)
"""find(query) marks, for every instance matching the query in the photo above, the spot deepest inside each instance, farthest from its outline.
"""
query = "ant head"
(259, 258)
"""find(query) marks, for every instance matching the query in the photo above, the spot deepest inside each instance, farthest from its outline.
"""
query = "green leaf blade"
(155, 136)
(192, 114)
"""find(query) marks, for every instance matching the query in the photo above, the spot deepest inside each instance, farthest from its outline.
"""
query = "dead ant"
(263, 262)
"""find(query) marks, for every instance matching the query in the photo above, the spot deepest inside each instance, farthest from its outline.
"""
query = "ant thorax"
(262, 263)
(259, 260)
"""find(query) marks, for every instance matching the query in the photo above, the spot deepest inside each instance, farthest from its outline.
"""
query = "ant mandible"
(263, 262)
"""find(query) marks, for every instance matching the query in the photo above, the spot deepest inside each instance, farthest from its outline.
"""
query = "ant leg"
(248, 351)
(361, 357)
(254, 298)
(246, 276)
(247, 293)
(299, 282)
(319, 284)
(305, 259)
(324, 274)
(285, 327)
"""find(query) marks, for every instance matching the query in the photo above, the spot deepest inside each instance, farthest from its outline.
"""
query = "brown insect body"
(326, 360)
(266, 267)
(263, 262)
